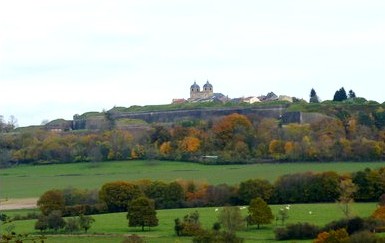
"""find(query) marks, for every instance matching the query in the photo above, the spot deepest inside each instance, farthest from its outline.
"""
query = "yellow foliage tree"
(190, 144)
(333, 236)
(379, 213)
(165, 148)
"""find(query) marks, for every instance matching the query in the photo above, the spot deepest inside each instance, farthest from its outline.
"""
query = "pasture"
(113, 227)
(28, 181)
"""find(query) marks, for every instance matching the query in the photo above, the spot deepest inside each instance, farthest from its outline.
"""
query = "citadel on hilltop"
(207, 95)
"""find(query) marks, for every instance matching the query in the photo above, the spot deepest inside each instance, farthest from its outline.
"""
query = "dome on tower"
(195, 87)
(208, 86)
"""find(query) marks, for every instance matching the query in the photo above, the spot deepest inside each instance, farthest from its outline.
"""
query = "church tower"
(195, 91)
(207, 90)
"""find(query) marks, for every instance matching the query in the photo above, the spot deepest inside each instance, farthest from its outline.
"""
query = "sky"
(65, 57)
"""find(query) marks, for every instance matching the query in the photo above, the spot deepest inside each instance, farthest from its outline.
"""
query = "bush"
(351, 225)
(85, 209)
(297, 231)
(133, 239)
(363, 236)
(206, 236)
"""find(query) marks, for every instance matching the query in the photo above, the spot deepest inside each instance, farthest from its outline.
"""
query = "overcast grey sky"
(59, 58)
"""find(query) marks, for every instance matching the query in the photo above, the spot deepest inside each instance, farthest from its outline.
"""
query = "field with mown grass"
(27, 181)
(113, 227)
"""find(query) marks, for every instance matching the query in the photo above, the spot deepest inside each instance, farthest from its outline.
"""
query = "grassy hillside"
(112, 227)
(32, 181)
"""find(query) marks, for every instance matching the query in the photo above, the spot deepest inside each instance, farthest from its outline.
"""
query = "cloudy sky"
(65, 57)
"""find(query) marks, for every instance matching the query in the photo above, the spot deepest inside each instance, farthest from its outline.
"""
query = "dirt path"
(17, 203)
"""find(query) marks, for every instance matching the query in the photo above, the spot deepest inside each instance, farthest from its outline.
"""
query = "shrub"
(337, 236)
(363, 236)
(297, 231)
(381, 200)
(206, 236)
(351, 225)
(85, 209)
(133, 239)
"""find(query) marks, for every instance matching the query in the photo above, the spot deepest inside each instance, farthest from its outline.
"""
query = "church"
(206, 94)
(196, 93)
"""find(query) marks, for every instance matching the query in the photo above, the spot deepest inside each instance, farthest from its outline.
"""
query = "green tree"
(231, 219)
(313, 97)
(340, 95)
(85, 222)
(51, 200)
(72, 224)
(253, 188)
(141, 212)
(42, 223)
(55, 220)
(118, 194)
(259, 212)
(352, 94)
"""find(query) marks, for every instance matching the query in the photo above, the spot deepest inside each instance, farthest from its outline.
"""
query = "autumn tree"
(189, 226)
(259, 212)
(141, 212)
(50, 201)
(118, 194)
(231, 219)
(160, 135)
(379, 213)
(231, 128)
(190, 145)
(339, 235)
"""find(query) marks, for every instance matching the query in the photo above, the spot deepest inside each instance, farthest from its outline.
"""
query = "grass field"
(32, 181)
(113, 227)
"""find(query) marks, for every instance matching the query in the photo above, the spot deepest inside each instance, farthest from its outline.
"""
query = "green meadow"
(113, 227)
(31, 181)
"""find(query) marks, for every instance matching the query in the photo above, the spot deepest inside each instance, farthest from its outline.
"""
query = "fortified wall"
(171, 116)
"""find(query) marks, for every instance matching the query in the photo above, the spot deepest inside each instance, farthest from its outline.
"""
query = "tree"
(190, 225)
(347, 189)
(72, 224)
(340, 95)
(313, 97)
(51, 200)
(42, 223)
(118, 194)
(55, 220)
(379, 213)
(231, 128)
(253, 188)
(190, 145)
(283, 214)
(231, 219)
(259, 212)
(85, 222)
(352, 94)
(141, 212)
(339, 235)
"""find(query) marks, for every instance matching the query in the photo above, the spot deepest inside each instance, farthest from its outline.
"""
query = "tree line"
(367, 185)
(353, 136)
